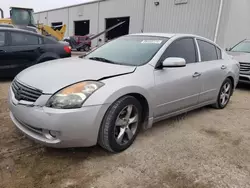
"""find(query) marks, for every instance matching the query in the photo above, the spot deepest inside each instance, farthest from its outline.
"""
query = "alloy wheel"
(126, 124)
(225, 93)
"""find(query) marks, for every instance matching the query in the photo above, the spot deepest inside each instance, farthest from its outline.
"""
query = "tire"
(86, 48)
(115, 131)
(219, 103)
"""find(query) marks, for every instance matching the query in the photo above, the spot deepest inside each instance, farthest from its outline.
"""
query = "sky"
(37, 5)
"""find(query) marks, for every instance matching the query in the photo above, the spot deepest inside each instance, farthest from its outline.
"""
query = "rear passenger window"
(183, 48)
(218, 53)
(19, 39)
(48, 40)
(2, 38)
(208, 51)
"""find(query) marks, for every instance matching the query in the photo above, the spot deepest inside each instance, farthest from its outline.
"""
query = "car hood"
(241, 56)
(57, 74)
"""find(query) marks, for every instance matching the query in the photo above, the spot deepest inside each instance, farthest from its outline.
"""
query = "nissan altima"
(107, 96)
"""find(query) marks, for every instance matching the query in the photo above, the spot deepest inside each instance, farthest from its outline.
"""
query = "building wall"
(196, 17)
(48, 17)
(84, 12)
(41, 17)
(61, 15)
(221, 40)
(122, 8)
(238, 25)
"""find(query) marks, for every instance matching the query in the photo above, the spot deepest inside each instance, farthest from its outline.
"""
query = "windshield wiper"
(102, 59)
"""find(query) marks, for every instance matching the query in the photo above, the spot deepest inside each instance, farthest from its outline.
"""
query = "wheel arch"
(47, 57)
(232, 80)
(141, 94)
(145, 107)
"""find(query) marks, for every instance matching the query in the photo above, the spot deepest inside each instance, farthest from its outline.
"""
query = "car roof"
(170, 35)
(6, 25)
(167, 35)
(19, 30)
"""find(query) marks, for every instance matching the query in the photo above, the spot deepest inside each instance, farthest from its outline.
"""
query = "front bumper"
(58, 128)
(244, 78)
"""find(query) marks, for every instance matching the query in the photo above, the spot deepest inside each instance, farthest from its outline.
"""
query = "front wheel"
(120, 125)
(224, 94)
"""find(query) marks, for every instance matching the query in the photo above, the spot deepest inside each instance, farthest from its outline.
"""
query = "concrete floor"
(204, 148)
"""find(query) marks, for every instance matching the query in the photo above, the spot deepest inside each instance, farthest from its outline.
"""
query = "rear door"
(3, 46)
(25, 48)
(213, 70)
(5, 57)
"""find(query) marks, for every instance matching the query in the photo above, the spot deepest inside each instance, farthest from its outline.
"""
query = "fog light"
(53, 133)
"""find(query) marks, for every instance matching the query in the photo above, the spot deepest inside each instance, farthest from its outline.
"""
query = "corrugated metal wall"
(61, 15)
(224, 22)
(196, 17)
(41, 17)
(238, 24)
(122, 8)
(84, 12)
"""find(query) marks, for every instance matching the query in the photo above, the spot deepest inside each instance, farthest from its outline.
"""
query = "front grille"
(25, 93)
(244, 67)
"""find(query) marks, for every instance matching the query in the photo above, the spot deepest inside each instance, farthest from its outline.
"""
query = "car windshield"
(242, 47)
(129, 50)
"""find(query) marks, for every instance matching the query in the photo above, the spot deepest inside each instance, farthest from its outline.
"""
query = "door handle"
(223, 67)
(196, 74)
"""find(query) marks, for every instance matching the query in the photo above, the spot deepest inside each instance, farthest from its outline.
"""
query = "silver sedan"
(128, 84)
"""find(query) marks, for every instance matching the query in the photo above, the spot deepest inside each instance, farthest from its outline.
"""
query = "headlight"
(73, 96)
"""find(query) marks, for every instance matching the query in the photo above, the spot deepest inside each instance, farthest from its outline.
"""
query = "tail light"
(67, 49)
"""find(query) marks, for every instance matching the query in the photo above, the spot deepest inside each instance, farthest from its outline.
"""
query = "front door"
(177, 88)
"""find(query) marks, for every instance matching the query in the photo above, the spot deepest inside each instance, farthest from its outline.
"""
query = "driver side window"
(182, 48)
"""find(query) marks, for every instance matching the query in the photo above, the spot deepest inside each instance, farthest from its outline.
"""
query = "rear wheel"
(120, 125)
(224, 94)
(86, 48)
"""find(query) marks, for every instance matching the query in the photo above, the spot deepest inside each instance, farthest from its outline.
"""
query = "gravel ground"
(202, 149)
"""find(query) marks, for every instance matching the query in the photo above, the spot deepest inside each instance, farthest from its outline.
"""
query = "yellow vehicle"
(23, 18)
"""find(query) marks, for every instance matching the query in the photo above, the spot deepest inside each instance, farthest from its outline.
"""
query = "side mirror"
(174, 62)
(228, 49)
